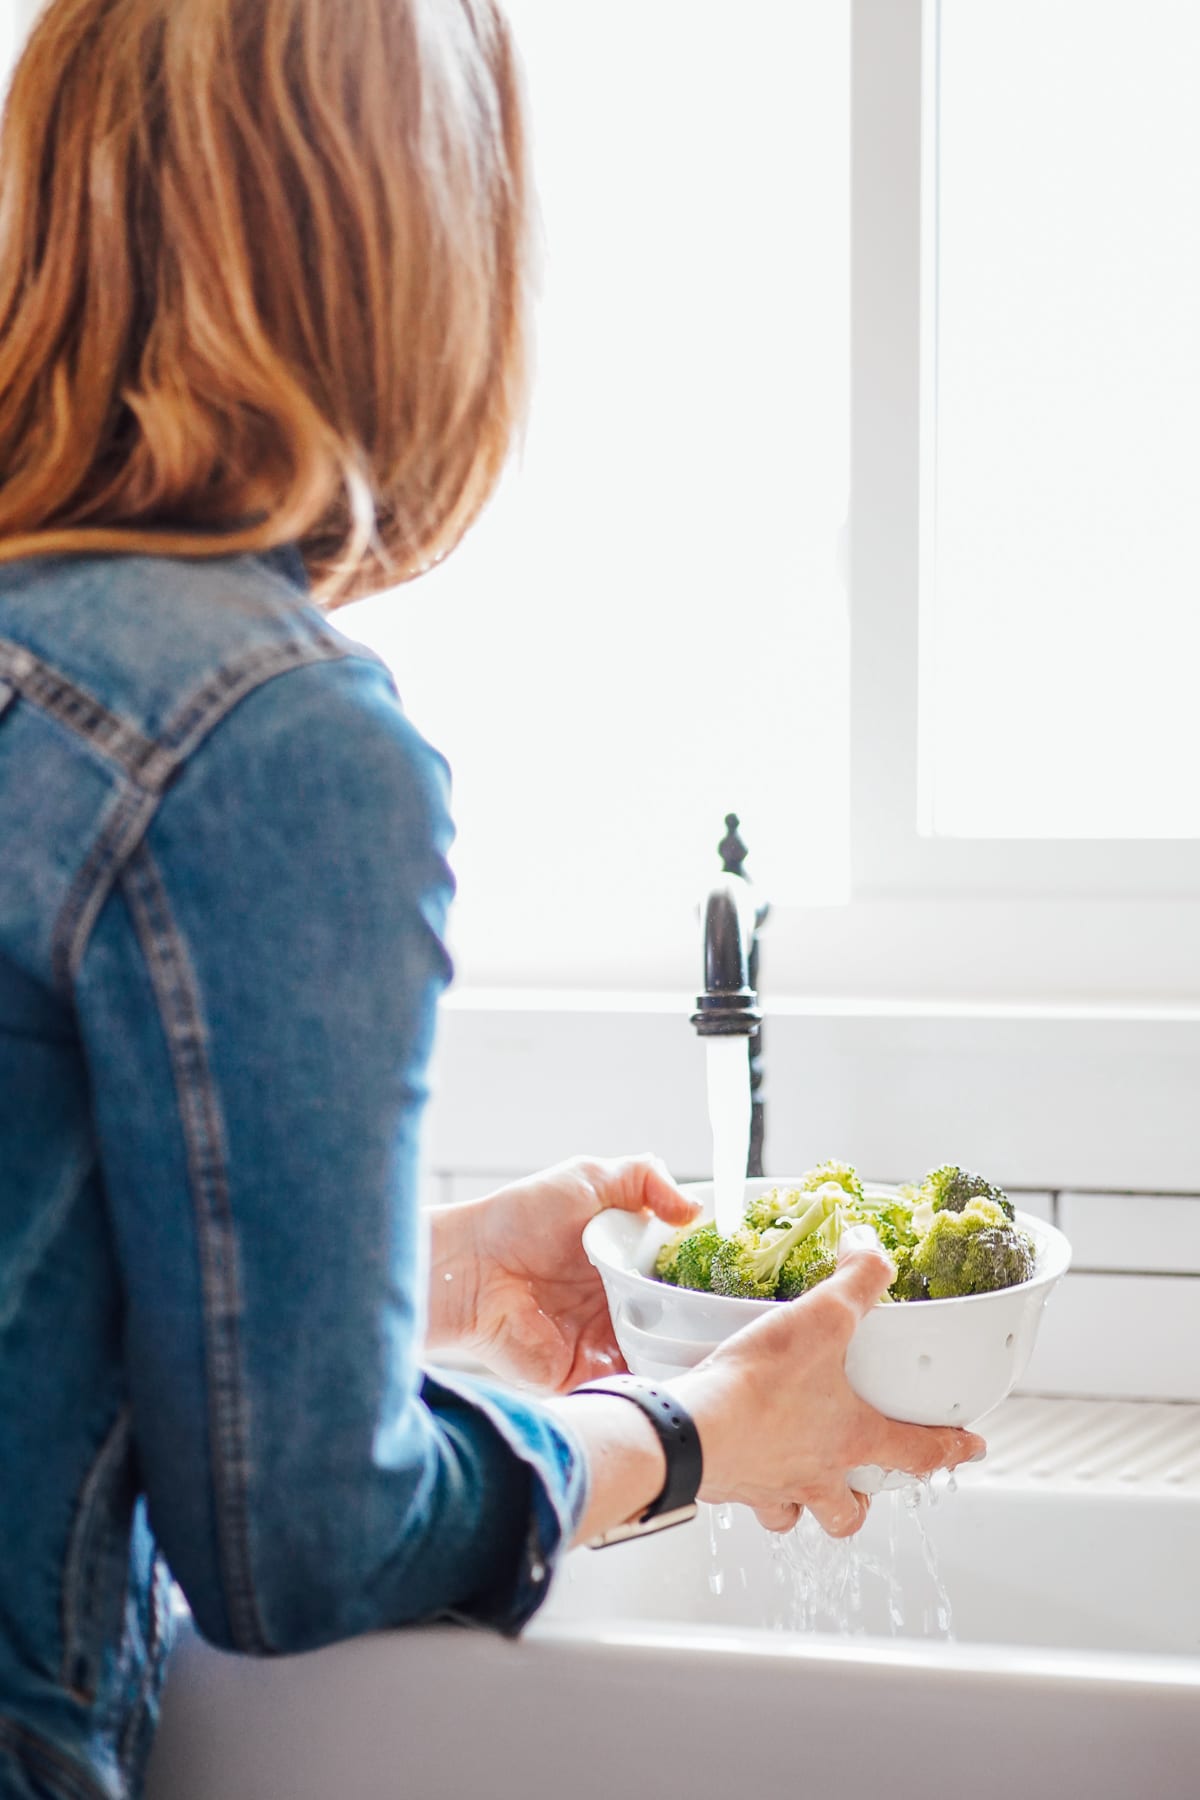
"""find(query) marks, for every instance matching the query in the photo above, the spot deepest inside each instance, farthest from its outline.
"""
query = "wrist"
(627, 1465)
(676, 1431)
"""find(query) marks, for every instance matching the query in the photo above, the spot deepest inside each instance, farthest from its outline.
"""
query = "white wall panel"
(1035, 1100)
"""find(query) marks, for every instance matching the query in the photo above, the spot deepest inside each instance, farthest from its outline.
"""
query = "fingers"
(778, 1518)
(920, 1449)
(840, 1512)
(638, 1182)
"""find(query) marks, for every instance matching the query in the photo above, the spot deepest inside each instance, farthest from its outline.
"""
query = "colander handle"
(656, 1347)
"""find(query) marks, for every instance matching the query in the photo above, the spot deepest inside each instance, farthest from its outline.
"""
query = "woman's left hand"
(510, 1281)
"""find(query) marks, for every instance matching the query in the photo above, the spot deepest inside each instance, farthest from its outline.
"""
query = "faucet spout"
(728, 1007)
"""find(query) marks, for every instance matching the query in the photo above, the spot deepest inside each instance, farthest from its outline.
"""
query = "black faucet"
(728, 1007)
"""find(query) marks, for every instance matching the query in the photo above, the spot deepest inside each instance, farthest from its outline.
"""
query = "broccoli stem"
(770, 1258)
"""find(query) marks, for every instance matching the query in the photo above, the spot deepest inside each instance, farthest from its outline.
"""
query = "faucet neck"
(729, 1005)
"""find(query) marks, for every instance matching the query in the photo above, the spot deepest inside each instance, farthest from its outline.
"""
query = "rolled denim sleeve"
(257, 1004)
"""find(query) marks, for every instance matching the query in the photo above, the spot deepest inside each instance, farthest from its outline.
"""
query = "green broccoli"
(909, 1284)
(763, 1212)
(950, 1234)
(812, 1261)
(748, 1265)
(892, 1220)
(949, 1189)
(686, 1259)
(790, 1203)
(839, 1174)
(745, 1265)
(974, 1251)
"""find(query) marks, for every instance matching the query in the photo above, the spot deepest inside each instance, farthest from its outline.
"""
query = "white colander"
(928, 1362)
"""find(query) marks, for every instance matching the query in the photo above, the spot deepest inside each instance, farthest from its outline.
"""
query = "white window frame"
(893, 393)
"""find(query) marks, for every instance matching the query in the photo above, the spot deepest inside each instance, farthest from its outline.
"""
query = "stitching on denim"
(63, 699)
(204, 709)
(46, 1760)
(79, 1574)
(136, 804)
(179, 1009)
(118, 839)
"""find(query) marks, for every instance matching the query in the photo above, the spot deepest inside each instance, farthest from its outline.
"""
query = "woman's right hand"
(781, 1427)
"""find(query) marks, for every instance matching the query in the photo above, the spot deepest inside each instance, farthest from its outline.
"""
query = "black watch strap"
(680, 1440)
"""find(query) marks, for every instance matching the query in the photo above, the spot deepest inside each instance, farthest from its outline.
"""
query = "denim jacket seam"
(38, 682)
(182, 1021)
(140, 795)
(77, 1576)
(44, 1758)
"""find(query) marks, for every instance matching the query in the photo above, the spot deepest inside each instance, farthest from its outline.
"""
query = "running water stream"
(834, 1581)
(729, 1117)
(823, 1584)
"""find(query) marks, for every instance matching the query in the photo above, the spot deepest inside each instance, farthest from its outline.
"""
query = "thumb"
(865, 1271)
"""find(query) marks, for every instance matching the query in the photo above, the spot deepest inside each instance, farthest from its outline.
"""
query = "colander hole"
(957, 1407)
(924, 1362)
(1008, 1342)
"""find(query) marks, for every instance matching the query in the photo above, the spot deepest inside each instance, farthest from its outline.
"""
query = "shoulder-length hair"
(263, 280)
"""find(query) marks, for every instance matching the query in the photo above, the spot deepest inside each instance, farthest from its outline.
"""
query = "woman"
(262, 332)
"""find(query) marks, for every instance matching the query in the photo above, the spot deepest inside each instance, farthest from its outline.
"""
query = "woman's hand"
(780, 1425)
(510, 1281)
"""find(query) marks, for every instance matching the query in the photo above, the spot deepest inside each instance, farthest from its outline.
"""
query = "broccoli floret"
(810, 1262)
(686, 1259)
(974, 1251)
(909, 1284)
(748, 1264)
(892, 1220)
(764, 1211)
(949, 1189)
(839, 1174)
(791, 1203)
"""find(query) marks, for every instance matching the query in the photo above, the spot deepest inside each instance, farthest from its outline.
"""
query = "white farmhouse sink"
(1071, 1560)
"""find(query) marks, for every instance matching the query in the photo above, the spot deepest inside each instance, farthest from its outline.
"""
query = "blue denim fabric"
(223, 891)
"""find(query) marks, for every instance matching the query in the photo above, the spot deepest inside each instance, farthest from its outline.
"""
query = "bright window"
(1025, 382)
(1062, 700)
(648, 629)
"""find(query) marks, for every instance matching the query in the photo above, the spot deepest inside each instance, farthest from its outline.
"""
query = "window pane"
(648, 628)
(1059, 698)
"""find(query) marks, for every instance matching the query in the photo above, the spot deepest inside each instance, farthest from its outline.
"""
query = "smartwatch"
(676, 1431)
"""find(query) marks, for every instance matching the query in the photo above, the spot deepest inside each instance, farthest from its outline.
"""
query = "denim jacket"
(223, 890)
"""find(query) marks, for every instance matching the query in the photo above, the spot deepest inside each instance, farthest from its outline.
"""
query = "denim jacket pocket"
(96, 1577)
